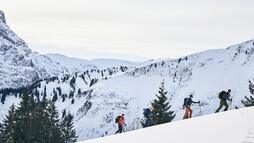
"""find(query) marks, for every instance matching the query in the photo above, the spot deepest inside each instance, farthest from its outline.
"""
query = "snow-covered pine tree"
(59, 90)
(3, 98)
(249, 101)
(72, 83)
(79, 91)
(64, 113)
(162, 113)
(72, 101)
(54, 97)
(67, 128)
(45, 91)
(143, 122)
(71, 94)
(251, 87)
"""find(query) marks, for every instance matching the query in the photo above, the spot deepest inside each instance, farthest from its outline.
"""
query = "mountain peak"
(2, 17)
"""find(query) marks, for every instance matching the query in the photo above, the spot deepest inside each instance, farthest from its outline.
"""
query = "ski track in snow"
(250, 133)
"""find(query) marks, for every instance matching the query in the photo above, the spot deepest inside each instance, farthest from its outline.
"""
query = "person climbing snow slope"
(187, 105)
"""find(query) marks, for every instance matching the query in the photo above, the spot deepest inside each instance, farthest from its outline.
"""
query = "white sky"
(135, 30)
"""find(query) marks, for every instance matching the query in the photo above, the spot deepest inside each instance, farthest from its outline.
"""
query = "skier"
(120, 121)
(187, 105)
(224, 96)
(147, 115)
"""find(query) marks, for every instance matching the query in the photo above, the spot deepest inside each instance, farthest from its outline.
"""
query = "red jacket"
(121, 121)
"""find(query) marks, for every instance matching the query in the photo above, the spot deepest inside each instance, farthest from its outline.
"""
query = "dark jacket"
(149, 113)
(225, 97)
(189, 102)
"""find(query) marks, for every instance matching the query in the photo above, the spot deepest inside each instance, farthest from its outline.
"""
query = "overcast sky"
(135, 30)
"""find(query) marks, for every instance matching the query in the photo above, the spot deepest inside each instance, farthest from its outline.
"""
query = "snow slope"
(105, 94)
(228, 127)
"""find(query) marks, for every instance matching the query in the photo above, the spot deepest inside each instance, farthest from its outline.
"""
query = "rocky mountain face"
(20, 66)
(16, 66)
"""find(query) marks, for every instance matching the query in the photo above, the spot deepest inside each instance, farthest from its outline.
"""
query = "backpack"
(185, 102)
(220, 94)
(145, 113)
(117, 119)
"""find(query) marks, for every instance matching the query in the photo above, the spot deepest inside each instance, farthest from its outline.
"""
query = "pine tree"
(41, 122)
(249, 101)
(54, 126)
(72, 83)
(25, 117)
(68, 131)
(251, 88)
(54, 98)
(71, 94)
(64, 113)
(7, 130)
(59, 90)
(33, 122)
(3, 98)
(79, 91)
(161, 108)
(143, 122)
(64, 96)
(45, 91)
(179, 61)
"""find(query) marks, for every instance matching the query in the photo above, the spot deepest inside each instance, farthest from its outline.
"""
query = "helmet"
(151, 108)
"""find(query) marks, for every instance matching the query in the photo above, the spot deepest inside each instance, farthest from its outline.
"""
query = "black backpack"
(117, 119)
(185, 102)
(221, 94)
(146, 112)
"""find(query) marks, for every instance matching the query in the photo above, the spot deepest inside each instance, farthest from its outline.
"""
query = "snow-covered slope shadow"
(236, 126)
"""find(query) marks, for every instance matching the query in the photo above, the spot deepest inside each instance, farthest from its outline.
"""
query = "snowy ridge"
(100, 64)
(110, 63)
(233, 126)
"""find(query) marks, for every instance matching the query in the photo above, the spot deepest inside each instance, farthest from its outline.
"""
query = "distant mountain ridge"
(99, 63)
(20, 66)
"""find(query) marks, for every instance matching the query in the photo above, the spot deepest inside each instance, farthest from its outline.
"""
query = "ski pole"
(231, 102)
(230, 105)
(200, 109)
